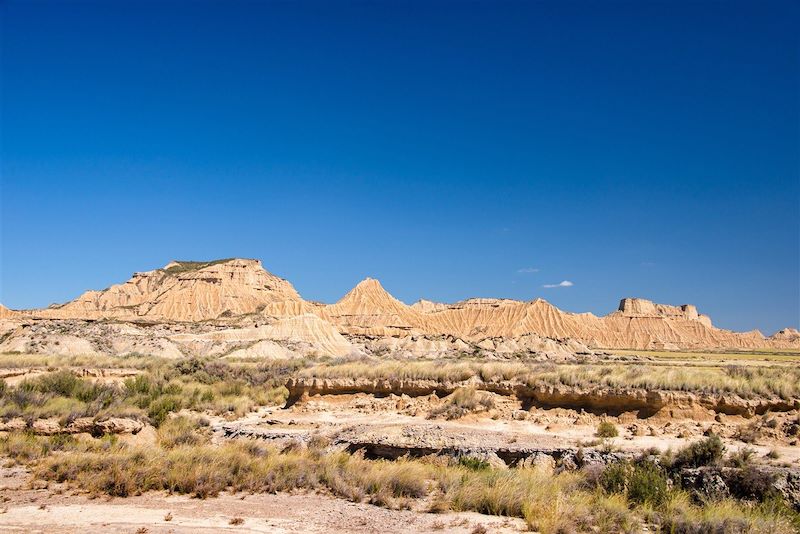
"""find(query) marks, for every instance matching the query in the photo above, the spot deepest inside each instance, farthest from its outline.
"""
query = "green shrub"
(742, 457)
(179, 431)
(470, 462)
(641, 483)
(138, 385)
(648, 484)
(158, 409)
(614, 478)
(708, 451)
(606, 429)
(62, 383)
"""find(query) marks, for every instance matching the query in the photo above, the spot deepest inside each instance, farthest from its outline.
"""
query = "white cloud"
(565, 283)
(528, 270)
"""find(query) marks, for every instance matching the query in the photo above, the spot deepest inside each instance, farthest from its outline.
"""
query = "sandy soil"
(30, 506)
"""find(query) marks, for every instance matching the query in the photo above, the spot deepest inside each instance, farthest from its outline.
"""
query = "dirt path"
(33, 507)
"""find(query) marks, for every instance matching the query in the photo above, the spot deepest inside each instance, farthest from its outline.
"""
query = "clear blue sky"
(634, 149)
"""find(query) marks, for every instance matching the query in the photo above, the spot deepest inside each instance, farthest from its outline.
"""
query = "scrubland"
(177, 397)
(621, 497)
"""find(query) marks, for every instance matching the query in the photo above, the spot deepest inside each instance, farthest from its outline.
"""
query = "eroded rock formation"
(255, 305)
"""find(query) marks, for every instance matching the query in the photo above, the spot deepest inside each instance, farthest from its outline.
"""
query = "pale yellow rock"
(183, 291)
(228, 289)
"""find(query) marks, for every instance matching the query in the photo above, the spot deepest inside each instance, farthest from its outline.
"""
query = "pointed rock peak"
(370, 292)
(369, 286)
(370, 283)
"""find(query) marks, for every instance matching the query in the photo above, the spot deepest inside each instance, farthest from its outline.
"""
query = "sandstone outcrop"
(226, 291)
(182, 291)
(602, 400)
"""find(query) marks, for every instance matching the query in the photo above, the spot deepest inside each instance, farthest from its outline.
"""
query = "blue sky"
(449, 149)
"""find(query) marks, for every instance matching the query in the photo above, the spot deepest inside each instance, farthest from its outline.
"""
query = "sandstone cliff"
(182, 291)
(228, 289)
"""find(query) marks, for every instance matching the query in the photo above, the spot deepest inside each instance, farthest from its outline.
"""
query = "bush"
(752, 483)
(708, 451)
(606, 429)
(749, 433)
(742, 457)
(641, 483)
(179, 431)
(648, 484)
(158, 409)
(138, 385)
(62, 383)
(614, 478)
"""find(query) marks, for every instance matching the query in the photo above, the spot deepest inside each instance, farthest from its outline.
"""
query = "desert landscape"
(399, 267)
(208, 396)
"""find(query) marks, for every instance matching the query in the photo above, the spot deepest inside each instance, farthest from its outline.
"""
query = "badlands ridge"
(235, 307)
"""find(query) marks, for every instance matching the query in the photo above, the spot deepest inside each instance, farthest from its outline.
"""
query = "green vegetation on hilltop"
(188, 266)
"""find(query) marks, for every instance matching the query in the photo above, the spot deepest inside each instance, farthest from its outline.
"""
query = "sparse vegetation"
(768, 381)
(628, 493)
(173, 396)
(180, 267)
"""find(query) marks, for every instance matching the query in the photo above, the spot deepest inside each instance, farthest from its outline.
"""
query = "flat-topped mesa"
(183, 291)
(636, 307)
(428, 306)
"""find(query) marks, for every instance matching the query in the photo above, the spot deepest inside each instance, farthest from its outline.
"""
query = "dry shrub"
(749, 433)
(180, 430)
(463, 401)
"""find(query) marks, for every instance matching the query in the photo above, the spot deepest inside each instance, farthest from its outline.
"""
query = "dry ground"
(31, 507)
